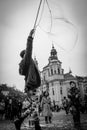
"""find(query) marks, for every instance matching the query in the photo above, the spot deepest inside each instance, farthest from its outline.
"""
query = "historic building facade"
(55, 80)
(82, 83)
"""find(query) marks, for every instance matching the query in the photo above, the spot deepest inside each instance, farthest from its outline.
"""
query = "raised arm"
(28, 51)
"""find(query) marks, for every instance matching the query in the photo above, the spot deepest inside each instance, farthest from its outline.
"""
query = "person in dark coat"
(27, 66)
(74, 97)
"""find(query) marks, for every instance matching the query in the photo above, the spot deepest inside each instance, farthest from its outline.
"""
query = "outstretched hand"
(32, 32)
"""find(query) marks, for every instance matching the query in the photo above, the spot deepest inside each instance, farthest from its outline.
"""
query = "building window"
(62, 71)
(61, 92)
(54, 71)
(53, 91)
(48, 72)
(51, 71)
(58, 71)
(86, 90)
(44, 77)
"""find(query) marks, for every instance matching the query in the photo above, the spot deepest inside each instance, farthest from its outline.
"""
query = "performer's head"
(22, 53)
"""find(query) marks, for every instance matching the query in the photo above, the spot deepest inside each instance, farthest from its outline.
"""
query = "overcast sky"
(17, 19)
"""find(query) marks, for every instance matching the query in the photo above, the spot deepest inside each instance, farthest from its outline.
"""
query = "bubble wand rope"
(37, 14)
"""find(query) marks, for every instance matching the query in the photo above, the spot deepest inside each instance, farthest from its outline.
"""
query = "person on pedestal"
(28, 69)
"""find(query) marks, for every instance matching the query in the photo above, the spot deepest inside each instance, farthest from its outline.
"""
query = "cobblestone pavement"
(60, 121)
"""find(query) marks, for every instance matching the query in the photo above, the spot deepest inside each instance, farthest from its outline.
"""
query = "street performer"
(28, 69)
(27, 66)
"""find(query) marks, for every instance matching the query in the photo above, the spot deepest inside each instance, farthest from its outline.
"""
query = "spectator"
(19, 107)
(2, 109)
(10, 109)
(6, 108)
(74, 103)
(46, 108)
(66, 105)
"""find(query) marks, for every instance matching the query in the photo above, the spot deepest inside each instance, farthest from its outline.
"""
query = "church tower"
(52, 75)
(53, 54)
(54, 80)
(54, 63)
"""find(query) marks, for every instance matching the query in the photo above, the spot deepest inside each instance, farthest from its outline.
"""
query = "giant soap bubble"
(59, 29)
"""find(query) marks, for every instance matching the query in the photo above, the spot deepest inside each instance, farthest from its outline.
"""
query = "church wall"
(55, 77)
(65, 88)
(55, 96)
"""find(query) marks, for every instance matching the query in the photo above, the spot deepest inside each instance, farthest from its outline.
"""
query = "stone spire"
(53, 54)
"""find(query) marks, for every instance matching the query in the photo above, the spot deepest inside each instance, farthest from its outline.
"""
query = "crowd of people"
(33, 108)
(10, 108)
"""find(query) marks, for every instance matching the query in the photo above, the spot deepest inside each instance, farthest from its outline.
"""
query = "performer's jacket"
(28, 68)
